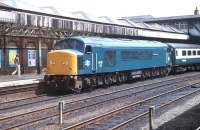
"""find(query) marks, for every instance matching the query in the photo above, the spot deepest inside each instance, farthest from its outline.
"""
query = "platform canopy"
(99, 25)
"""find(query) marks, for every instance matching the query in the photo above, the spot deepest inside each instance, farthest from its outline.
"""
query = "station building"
(33, 32)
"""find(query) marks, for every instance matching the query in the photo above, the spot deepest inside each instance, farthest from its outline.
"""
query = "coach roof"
(184, 45)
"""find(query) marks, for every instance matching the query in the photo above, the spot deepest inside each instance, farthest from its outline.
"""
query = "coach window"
(198, 52)
(194, 53)
(189, 53)
(176, 53)
(183, 53)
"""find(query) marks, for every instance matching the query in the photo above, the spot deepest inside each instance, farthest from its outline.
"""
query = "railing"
(7, 20)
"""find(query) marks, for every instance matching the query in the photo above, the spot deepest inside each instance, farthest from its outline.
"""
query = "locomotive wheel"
(168, 70)
(197, 67)
(78, 86)
(94, 83)
(143, 77)
(125, 77)
(147, 74)
(162, 72)
(99, 81)
(119, 78)
(157, 73)
(154, 73)
(107, 80)
(114, 78)
(77, 89)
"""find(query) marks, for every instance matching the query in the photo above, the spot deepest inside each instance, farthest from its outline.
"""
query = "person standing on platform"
(17, 64)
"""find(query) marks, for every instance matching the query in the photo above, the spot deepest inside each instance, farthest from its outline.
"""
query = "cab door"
(88, 59)
(97, 59)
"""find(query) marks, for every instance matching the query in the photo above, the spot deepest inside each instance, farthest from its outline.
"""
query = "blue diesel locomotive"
(79, 61)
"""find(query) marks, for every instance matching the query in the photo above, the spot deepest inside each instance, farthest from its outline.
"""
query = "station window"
(194, 53)
(29, 20)
(189, 53)
(183, 53)
(198, 52)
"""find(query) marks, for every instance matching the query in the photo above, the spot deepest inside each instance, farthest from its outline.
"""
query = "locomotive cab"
(64, 60)
(63, 64)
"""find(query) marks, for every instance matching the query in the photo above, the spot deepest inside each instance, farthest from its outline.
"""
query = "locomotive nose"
(62, 62)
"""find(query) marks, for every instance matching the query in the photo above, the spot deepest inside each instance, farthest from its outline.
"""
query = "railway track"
(126, 124)
(51, 113)
(42, 98)
(106, 120)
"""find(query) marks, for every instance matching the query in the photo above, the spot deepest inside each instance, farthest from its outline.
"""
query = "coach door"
(169, 58)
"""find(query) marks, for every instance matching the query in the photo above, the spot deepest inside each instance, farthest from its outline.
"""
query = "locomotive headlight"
(65, 63)
(52, 62)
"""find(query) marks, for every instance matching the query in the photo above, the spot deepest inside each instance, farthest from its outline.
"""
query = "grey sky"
(119, 8)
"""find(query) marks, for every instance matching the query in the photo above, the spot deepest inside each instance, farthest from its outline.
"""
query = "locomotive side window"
(88, 49)
(70, 44)
(109, 57)
(194, 53)
(176, 53)
(189, 53)
(144, 55)
(183, 53)
(198, 52)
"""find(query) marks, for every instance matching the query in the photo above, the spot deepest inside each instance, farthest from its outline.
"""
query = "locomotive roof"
(113, 42)
(184, 45)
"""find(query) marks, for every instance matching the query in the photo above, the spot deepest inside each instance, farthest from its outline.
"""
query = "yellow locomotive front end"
(62, 66)
(61, 70)
(61, 62)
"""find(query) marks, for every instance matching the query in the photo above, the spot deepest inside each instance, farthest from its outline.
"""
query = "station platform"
(189, 120)
(14, 80)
